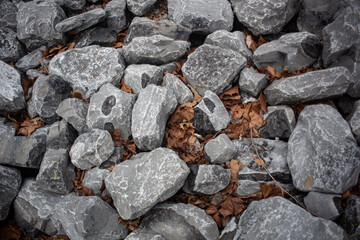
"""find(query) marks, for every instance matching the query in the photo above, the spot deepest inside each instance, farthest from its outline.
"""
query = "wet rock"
(36, 23)
(220, 149)
(91, 149)
(101, 36)
(264, 16)
(327, 206)
(317, 85)
(150, 114)
(88, 68)
(116, 15)
(354, 120)
(350, 221)
(10, 47)
(140, 7)
(212, 68)
(247, 188)
(74, 111)
(114, 158)
(155, 49)
(323, 155)
(202, 16)
(252, 82)
(210, 115)
(139, 184)
(139, 76)
(8, 14)
(10, 181)
(31, 60)
(182, 92)
(75, 4)
(93, 179)
(11, 92)
(61, 135)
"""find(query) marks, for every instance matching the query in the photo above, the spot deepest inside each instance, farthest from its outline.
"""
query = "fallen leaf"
(30, 125)
(250, 43)
(271, 70)
(259, 161)
(227, 208)
(271, 190)
(235, 167)
(79, 96)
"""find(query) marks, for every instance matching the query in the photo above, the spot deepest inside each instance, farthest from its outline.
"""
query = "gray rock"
(323, 155)
(8, 14)
(101, 36)
(246, 98)
(169, 67)
(91, 149)
(61, 135)
(33, 73)
(232, 40)
(48, 92)
(317, 85)
(252, 82)
(280, 122)
(110, 109)
(155, 49)
(145, 27)
(350, 221)
(6, 128)
(93, 179)
(82, 21)
(11, 92)
(88, 68)
(210, 115)
(75, 4)
(36, 23)
(202, 16)
(293, 50)
(31, 60)
(207, 179)
(10, 47)
(182, 92)
(10, 181)
(229, 231)
(74, 111)
(139, 184)
(56, 172)
(264, 16)
(247, 187)
(139, 76)
(191, 222)
(220, 149)
(144, 236)
(150, 114)
(140, 7)
(116, 15)
(354, 120)
(212, 68)
(278, 218)
(114, 158)
(327, 206)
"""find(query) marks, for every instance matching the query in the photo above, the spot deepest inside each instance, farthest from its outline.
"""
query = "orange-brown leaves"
(79, 96)
(130, 147)
(24, 125)
(49, 53)
(251, 43)
(78, 187)
(120, 39)
(271, 190)
(235, 167)
(130, 224)
(160, 10)
(125, 87)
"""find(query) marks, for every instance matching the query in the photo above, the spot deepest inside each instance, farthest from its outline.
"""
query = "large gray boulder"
(31, 60)
(139, 184)
(212, 68)
(278, 218)
(265, 16)
(116, 15)
(220, 149)
(10, 47)
(74, 111)
(182, 92)
(150, 114)
(327, 206)
(110, 108)
(88, 68)
(317, 85)
(139, 76)
(8, 14)
(354, 120)
(202, 16)
(101, 36)
(36, 23)
(323, 155)
(11, 92)
(140, 7)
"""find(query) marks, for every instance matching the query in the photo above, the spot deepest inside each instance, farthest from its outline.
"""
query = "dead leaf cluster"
(252, 43)
(78, 187)
(272, 75)
(49, 53)
(160, 10)
(78, 95)
(130, 224)
(24, 125)
(130, 147)
(120, 38)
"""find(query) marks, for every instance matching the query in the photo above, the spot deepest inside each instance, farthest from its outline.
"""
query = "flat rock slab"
(74, 111)
(10, 181)
(116, 15)
(88, 68)
(212, 68)
(327, 206)
(220, 149)
(354, 120)
(139, 76)
(139, 184)
(317, 85)
(182, 92)
(10, 47)
(140, 7)
(323, 155)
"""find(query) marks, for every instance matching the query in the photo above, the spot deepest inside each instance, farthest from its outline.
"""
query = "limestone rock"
(116, 15)
(350, 221)
(8, 14)
(93, 179)
(220, 149)
(61, 135)
(114, 158)
(31, 60)
(327, 206)
(354, 120)
(10, 47)
(140, 7)
(75, 4)
(101, 36)
(139, 76)
(247, 188)
(182, 92)
(252, 82)
(74, 111)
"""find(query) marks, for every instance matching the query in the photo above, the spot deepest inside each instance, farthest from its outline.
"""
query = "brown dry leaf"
(211, 210)
(125, 87)
(227, 208)
(30, 125)
(259, 161)
(231, 97)
(271, 190)
(27, 83)
(130, 147)
(130, 224)
(217, 219)
(250, 43)
(112, 167)
(79, 96)
(11, 231)
(271, 70)
(235, 167)
(256, 120)
(118, 45)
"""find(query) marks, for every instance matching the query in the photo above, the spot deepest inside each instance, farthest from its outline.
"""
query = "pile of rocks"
(317, 154)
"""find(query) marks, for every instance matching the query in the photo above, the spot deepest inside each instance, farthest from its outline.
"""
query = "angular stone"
(10, 47)
(280, 122)
(8, 14)
(350, 221)
(56, 172)
(212, 68)
(88, 68)
(292, 50)
(202, 16)
(36, 23)
(93, 179)
(354, 120)
(150, 114)
(91, 149)
(317, 85)
(6, 128)
(229, 231)
(75, 4)
(101, 36)
(265, 16)
(140, 7)
(31, 60)
(139, 184)
(10, 181)
(210, 115)
(61, 135)
(114, 158)
(32, 74)
(247, 188)
(74, 111)
(207, 179)
(144, 236)
(116, 15)
(137, 77)
(11, 92)
(323, 155)
(82, 21)
(252, 82)
(48, 92)
(168, 67)
(220, 149)
(155, 49)
(327, 206)
(182, 92)
(278, 218)
(191, 222)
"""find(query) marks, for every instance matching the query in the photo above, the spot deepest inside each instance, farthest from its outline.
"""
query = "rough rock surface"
(8, 14)
(139, 76)
(116, 15)
(323, 155)
(220, 149)
(350, 221)
(212, 68)
(88, 68)
(144, 236)
(247, 188)
(61, 135)
(10, 47)
(202, 16)
(150, 114)
(140, 7)
(229, 231)
(114, 158)
(101, 36)
(74, 4)
(354, 120)
(317, 85)
(139, 184)
(252, 82)
(182, 92)
(93, 179)
(91, 149)
(74, 111)
(327, 206)
(110, 108)
(31, 60)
